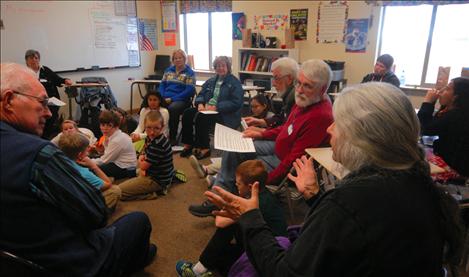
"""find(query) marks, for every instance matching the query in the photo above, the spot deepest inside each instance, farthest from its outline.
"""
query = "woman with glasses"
(50, 80)
(450, 123)
(220, 100)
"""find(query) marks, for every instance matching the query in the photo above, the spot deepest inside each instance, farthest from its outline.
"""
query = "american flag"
(145, 42)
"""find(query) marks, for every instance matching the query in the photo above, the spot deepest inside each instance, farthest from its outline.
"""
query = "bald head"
(21, 102)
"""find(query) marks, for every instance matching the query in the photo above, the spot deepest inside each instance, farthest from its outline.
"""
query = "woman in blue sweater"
(222, 94)
(177, 88)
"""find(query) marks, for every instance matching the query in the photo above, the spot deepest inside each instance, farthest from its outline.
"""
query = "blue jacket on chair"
(230, 99)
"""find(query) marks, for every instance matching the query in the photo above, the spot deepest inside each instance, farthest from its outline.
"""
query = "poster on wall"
(299, 23)
(147, 34)
(239, 23)
(331, 22)
(169, 39)
(270, 22)
(356, 37)
(169, 16)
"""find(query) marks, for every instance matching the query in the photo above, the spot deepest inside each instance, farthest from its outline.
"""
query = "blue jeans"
(175, 110)
(130, 246)
(226, 178)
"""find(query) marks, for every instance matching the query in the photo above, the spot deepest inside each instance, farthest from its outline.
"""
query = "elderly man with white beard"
(279, 147)
(284, 73)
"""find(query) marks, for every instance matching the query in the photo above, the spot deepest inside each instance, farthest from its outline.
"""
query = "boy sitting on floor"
(119, 159)
(220, 253)
(76, 146)
(155, 163)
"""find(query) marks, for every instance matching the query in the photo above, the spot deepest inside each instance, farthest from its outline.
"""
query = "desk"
(149, 82)
(324, 157)
(72, 92)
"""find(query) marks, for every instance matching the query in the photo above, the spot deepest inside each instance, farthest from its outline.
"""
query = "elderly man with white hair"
(279, 147)
(284, 73)
(50, 214)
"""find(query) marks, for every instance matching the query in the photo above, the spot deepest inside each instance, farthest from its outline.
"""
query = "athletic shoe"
(203, 210)
(198, 167)
(184, 269)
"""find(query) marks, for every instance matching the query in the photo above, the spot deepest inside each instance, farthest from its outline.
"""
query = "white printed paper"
(55, 102)
(209, 112)
(231, 140)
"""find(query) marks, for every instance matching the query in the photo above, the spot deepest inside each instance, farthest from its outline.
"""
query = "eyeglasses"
(306, 86)
(278, 78)
(43, 101)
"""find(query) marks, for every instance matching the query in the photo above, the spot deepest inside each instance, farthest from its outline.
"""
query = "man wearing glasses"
(51, 216)
(284, 71)
(279, 147)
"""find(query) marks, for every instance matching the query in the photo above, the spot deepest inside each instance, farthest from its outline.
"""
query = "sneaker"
(184, 269)
(198, 167)
(203, 210)
(152, 249)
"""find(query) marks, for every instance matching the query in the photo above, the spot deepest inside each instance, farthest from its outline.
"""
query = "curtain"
(414, 3)
(199, 6)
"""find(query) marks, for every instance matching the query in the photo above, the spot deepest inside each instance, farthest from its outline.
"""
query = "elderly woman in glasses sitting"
(220, 100)
(385, 218)
(50, 80)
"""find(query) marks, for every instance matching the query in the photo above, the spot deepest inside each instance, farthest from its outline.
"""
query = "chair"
(12, 265)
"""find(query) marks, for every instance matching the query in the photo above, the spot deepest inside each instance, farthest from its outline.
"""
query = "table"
(72, 92)
(324, 157)
(150, 82)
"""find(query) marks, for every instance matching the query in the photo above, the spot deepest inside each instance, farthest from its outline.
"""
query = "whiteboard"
(71, 35)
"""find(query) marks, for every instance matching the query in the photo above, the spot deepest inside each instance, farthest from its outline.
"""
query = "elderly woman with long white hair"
(385, 218)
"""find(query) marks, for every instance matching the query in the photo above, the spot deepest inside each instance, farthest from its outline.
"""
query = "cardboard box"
(289, 39)
(247, 40)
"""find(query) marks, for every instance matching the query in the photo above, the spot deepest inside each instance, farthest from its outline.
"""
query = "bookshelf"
(255, 63)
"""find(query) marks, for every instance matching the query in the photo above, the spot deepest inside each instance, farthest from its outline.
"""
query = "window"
(206, 36)
(439, 37)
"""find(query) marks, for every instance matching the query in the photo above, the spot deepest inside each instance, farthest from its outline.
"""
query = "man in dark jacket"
(53, 216)
(382, 71)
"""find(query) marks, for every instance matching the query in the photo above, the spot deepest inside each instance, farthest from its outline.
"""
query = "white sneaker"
(199, 168)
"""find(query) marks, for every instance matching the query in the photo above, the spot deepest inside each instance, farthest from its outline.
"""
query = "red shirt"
(304, 128)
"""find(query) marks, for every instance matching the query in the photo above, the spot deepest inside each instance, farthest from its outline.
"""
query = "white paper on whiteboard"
(231, 140)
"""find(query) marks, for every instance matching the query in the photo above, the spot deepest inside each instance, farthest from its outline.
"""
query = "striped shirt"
(159, 154)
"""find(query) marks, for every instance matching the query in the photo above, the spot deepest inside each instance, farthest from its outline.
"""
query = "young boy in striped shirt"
(155, 163)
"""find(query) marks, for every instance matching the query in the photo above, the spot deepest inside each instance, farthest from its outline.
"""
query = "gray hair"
(376, 125)
(32, 53)
(317, 71)
(223, 59)
(10, 78)
(286, 66)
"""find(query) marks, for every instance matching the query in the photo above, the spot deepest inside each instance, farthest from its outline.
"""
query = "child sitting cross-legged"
(75, 146)
(119, 159)
(220, 253)
(155, 163)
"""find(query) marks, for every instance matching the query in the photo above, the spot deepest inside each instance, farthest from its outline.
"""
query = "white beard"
(303, 101)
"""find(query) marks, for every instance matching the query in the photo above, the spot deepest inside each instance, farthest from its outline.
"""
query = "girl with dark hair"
(152, 102)
(449, 123)
(260, 107)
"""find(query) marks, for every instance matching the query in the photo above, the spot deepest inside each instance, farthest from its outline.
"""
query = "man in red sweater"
(277, 148)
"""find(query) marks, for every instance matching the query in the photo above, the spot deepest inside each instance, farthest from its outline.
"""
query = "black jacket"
(50, 80)
(388, 77)
(376, 223)
(452, 128)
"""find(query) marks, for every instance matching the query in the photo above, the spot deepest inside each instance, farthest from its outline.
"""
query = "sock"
(199, 268)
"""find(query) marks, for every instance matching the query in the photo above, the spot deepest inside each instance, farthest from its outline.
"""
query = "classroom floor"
(177, 233)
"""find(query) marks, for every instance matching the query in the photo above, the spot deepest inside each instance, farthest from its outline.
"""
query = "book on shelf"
(265, 65)
(244, 59)
(252, 63)
(259, 63)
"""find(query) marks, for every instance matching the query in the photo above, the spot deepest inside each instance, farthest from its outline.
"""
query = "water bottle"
(402, 78)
